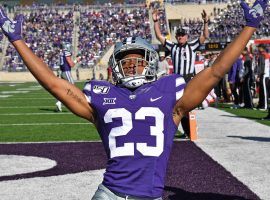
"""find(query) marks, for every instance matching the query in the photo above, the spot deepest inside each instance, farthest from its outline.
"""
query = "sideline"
(240, 145)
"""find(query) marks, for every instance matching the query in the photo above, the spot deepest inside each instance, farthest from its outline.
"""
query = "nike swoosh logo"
(155, 99)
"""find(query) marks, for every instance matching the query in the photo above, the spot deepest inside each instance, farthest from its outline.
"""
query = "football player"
(138, 117)
(66, 63)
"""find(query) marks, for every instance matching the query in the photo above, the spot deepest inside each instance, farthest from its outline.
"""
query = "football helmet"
(66, 46)
(149, 60)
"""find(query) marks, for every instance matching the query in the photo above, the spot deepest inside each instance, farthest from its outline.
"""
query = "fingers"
(244, 5)
(2, 13)
(203, 13)
(263, 2)
(19, 18)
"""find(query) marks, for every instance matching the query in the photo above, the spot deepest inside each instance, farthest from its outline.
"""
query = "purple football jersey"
(137, 131)
(64, 66)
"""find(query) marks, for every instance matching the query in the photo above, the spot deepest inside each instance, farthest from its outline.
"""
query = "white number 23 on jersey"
(128, 148)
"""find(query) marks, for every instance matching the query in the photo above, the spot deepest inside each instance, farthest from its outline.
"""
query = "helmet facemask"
(134, 64)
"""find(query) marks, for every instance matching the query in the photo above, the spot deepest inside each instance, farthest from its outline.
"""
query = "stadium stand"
(93, 29)
(44, 30)
(99, 29)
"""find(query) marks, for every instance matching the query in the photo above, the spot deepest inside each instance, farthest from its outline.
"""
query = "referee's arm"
(159, 36)
(205, 33)
(198, 88)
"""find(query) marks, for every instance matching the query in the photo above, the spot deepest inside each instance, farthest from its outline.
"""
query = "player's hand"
(11, 29)
(205, 17)
(155, 15)
(254, 15)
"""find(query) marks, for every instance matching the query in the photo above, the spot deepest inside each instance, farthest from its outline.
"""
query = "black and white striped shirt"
(183, 57)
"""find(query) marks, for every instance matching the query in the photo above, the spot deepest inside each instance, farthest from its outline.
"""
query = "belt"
(126, 197)
(130, 197)
(188, 75)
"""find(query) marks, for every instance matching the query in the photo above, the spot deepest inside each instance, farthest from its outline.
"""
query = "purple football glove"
(254, 15)
(11, 29)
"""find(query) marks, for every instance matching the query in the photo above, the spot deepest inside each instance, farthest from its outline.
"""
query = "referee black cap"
(181, 32)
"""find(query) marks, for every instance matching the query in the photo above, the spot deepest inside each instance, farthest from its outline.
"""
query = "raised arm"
(205, 33)
(159, 36)
(198, 88)
(67, 93)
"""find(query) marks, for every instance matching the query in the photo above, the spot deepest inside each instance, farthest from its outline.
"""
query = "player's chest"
(117, 98)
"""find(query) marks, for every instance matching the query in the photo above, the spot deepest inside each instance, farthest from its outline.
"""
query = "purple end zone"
(191, 175)
(70, 157)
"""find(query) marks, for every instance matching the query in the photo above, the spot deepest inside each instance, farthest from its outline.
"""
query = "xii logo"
(109, 101)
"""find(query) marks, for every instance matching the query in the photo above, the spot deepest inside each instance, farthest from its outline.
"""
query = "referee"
(183, 53)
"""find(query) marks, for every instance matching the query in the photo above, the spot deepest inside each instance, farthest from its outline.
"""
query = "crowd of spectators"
(47, 26)
(100, 29)
(247, 84)
(195, 1)
(227, 23)
(194, 26)
(43, 31)
(162, 16)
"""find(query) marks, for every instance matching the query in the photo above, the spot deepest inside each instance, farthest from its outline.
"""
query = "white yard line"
(15, 98)
(3, 107)
(18, 114)
(46, 124)
(5, 96)
(28, 89)
(14, 92)
(53, 142)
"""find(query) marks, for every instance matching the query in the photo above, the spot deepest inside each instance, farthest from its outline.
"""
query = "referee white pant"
(103, 193)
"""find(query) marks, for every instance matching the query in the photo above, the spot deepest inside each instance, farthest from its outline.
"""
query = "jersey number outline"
(128, 148)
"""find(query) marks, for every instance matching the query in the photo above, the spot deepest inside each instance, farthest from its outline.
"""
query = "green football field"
(27, 114)
(251, 114)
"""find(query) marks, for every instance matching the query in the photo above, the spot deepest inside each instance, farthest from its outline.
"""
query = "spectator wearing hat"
(183, 53)
(169, 61)
(163, 66)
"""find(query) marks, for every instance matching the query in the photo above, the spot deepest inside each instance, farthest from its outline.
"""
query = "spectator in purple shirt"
(234, 80)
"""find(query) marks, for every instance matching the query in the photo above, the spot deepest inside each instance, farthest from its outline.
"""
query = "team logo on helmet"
(149, 58)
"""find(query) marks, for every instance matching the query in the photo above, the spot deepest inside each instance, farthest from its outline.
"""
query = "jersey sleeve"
(168, 44)
(194, 44)
(87, 91)
(94, 88)
(180, 85)
(173, 85)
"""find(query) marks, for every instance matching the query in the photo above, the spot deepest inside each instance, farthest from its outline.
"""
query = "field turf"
(27, 114)
(251, 114)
